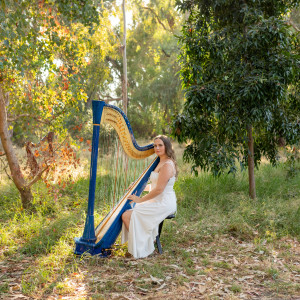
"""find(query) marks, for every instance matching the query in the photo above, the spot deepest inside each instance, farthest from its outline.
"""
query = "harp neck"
(117, 119)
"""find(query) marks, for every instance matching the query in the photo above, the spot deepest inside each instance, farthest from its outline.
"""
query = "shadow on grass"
(46, 238)
(9, 200)
(52, 257)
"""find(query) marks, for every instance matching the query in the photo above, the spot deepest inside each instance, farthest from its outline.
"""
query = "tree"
(154, 91)
(106, 77)
(152, 51)
(124, 76)
(239, 69)
(36, 85)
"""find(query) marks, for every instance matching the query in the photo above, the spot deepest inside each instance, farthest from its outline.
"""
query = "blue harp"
(97, 240)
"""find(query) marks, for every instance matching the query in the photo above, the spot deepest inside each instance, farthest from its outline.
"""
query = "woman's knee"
(125, 216)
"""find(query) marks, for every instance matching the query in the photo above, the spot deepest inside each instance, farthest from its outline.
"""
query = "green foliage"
(4, 288)
(239, 67)
(236, 288)
(152, 50)
(49, 52)
(56, 56)
(293, 159)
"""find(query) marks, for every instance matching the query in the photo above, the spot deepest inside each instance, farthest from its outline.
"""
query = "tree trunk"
(124, 79)
(13, 163)
(26, 197)
(252, 192)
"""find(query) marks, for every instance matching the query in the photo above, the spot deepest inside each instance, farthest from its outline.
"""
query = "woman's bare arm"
(166, 172)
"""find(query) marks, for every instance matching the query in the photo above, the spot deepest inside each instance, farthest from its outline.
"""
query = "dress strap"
(170, 162)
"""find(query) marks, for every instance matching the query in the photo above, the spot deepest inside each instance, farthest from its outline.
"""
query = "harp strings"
(116, 171)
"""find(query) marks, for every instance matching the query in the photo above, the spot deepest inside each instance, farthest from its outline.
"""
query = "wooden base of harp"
(83, 247)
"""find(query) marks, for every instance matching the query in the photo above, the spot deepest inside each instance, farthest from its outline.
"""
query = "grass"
(224, 205)
(236, 288)
(221, 243)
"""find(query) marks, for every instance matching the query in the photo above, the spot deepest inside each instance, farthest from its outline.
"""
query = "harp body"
(96, 241)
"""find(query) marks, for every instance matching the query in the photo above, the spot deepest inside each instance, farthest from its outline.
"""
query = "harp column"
(88, 238)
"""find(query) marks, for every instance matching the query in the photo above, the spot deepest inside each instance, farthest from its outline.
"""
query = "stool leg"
(160, 227)
(158, 237)
(158, 245)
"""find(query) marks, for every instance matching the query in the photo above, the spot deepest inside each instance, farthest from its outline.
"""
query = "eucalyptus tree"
(239, 69)
(42, 50)
(153, 84)
(152, 50)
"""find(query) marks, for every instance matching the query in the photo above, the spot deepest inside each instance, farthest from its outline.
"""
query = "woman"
(140, 224)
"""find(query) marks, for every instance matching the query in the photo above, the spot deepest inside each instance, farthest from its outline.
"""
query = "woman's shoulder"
(169, 164)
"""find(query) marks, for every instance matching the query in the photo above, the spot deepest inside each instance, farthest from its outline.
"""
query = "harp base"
(82, 247)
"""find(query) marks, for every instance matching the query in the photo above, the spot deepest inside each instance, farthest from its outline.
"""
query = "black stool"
(172, 216)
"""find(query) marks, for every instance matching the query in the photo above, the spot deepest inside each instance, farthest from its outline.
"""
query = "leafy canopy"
(44, 47)
(152, 51)
(239, 67)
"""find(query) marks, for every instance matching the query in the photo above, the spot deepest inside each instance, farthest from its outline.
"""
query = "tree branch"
(108, 98)
(5, 167)
(115, 64)
(157, 17)
(37, 177)
(13, 119)
(165, 53)
(7, 145)
(6, 98)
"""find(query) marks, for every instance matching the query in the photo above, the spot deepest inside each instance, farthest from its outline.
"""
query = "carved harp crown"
(96, 241)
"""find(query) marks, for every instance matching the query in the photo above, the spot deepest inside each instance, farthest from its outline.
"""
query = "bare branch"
(115, 64)
(157, 17)
(59, 145)
(108, 98)
(37, 177)
(165, 53)
(31, 160)
(6, 98)
(5, 168)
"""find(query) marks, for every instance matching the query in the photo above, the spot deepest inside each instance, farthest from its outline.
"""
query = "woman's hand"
(135, 199)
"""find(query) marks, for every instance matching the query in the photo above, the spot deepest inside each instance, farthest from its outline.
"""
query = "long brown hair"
(169, 149)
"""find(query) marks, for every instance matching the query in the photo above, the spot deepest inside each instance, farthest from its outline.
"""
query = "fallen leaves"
(156, 280)
(224, 268)
(235, 261)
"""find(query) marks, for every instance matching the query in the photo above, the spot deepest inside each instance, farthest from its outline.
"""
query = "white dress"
(146, 217)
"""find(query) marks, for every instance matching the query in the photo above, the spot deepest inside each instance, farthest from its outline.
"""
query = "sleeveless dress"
(147, 216)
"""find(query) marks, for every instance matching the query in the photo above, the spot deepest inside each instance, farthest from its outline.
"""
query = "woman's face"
(159, 147)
